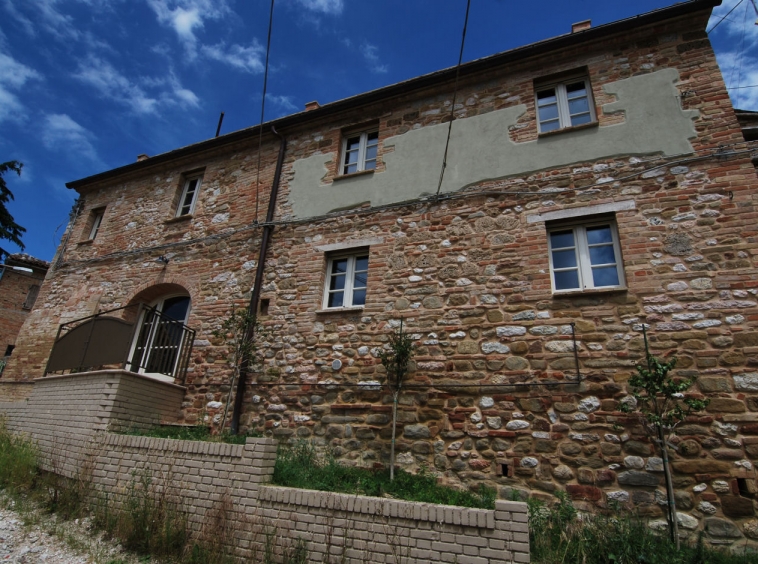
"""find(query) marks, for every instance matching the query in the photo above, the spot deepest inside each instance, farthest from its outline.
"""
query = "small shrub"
(298, 466)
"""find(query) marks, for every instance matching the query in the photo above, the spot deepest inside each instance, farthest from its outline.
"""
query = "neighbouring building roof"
(22, 259)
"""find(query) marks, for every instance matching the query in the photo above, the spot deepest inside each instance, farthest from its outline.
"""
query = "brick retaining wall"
(202, 475)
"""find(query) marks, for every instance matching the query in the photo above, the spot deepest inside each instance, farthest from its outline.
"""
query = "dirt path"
(37, 537)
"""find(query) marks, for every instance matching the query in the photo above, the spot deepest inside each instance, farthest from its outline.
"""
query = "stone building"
(595, 182)
(20, 279)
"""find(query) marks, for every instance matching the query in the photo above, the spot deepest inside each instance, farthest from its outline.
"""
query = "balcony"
(137, 338)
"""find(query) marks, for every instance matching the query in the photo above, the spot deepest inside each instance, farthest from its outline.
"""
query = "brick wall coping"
(109, 372)
(464, 516)
(206, 448)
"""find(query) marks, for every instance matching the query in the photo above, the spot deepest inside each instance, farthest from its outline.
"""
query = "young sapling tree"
(659, 405)
(396, 360)
(235, 331)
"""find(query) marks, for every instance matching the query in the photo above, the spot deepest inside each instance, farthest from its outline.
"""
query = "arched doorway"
(160, 344)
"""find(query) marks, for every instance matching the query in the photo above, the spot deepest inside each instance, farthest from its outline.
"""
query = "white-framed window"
(97, 220)
(585, 256)
(359, 151)
(189, 196)
(565, 104)
(346, 277)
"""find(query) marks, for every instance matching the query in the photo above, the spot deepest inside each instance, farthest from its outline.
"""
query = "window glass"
(360, 152)
(562, 239)
(564, 105)
(602, 255)
(585, 257)
(347, 281)
(189, 196)
(605, 276)
(567, 280)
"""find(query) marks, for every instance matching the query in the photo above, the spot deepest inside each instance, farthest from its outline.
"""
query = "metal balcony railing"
(139, 339)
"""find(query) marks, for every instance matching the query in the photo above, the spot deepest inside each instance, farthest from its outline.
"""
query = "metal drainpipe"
(255, 297)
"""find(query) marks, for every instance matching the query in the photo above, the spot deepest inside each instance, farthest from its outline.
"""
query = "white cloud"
(13, 76)
(369, 53)
(285, 103)
(248, 59)
(186, 17)
(134, 93)
(333, 7)
(63, 133)
(35, 14)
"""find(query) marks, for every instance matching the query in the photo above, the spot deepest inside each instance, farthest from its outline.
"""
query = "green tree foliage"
(660, 399)
(242, 334)
(396, 360)
(659, 405)
(9, 229)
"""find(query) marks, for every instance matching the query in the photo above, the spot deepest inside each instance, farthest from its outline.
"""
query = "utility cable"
(263, 108)
(738, 64)
(722, 19)
(455, 94)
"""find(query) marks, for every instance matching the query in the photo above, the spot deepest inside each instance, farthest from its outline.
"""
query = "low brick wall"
(374, 529)
(63, 413)
(208, 478)
(12, 390)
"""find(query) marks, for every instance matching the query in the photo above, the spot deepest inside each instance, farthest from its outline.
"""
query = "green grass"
(298, 466)
(558, 534)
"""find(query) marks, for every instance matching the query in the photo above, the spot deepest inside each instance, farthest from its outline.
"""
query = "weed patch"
(298, 466)
(18, 461)
(149, 520)
(559, 534)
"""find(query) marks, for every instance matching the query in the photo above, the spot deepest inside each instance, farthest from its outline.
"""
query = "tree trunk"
(673, 521)
(394, 425)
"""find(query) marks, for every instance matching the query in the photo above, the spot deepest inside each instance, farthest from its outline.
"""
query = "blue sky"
(87, 85)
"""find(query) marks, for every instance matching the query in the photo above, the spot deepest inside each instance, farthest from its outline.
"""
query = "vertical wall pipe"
(256, 294)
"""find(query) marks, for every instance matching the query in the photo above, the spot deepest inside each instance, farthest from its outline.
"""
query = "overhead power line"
(722, 19)
(455, 93)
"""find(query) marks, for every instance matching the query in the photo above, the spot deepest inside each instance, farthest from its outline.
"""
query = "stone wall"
(495, 394)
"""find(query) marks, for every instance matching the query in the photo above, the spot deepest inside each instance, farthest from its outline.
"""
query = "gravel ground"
(34, 537)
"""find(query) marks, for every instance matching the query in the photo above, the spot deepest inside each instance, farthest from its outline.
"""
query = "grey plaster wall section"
(481, 149)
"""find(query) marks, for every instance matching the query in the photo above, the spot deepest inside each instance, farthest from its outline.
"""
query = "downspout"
(256, 294)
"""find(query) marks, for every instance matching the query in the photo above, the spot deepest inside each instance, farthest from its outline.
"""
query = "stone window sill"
(340, 309)
(179, 219)
(590, 292)
(85, 242)
(568, 129)
(353, 175)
